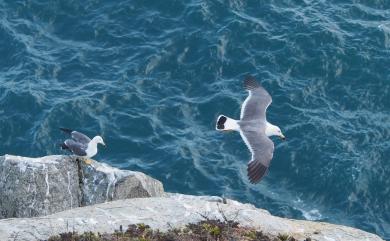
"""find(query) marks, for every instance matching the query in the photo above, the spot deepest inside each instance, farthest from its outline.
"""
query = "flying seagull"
(254, 129)
(81, 145)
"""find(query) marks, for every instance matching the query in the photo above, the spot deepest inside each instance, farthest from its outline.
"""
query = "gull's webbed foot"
(88, 161)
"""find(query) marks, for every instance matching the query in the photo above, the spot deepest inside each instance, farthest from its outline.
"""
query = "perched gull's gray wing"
(262, 149)
(77, 148)
(255, 105)
(80, 137)
(77, 136)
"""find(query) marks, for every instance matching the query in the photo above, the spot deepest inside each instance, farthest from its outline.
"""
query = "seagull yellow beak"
(282, 137)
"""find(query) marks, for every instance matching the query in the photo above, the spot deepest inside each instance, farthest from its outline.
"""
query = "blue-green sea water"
(152, 76)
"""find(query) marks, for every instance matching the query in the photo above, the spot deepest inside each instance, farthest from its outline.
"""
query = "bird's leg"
(88, 161)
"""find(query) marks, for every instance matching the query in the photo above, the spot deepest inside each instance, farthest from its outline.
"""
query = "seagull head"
(280, 134)
(98, 140)
(273, 130)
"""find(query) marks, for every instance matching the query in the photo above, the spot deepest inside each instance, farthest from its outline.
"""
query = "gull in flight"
(81, 145)
(254, 129)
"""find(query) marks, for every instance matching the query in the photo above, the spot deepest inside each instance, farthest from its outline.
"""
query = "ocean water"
(152, 76)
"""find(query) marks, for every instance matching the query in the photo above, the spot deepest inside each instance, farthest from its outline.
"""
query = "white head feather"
(98, 140)
(273, 130)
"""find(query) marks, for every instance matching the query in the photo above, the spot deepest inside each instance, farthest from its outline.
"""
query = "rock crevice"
(81, 184)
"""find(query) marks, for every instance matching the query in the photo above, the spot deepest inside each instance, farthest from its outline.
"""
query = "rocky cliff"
(74, 196)
(32, 187)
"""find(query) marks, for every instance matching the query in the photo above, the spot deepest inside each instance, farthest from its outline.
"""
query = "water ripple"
(152, 76)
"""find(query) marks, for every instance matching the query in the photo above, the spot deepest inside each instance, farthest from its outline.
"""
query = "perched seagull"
(254, 129)
(81, 145)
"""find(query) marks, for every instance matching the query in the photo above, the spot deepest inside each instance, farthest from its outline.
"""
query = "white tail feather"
(225, 123)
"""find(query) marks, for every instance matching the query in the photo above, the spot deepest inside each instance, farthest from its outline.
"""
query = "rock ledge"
(172, 211)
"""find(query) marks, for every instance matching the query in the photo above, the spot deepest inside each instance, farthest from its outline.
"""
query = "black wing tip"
(221, 122)
(63, 146)
(250, 83)
(256, 171)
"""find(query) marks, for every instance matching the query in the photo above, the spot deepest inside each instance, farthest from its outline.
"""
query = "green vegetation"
(284, 237)
(207, 230)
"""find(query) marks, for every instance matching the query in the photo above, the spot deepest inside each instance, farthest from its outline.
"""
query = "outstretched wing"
(256, 104)
(77, 136)
(77, 148)
(262, 149)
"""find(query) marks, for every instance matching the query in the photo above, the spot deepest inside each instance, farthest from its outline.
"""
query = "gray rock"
(37, 186)
(170, 212)
(40, 186)
(102, 183)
